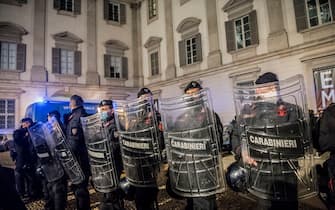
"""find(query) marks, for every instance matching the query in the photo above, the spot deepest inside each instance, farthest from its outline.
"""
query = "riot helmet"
(236, 177)
(144, 91)
(106, 110)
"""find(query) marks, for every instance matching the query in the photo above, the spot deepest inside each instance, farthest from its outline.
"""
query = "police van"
(38, 111)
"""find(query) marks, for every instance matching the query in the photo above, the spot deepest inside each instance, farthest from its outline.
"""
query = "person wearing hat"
(208, 202)
(55, 192)
(146, 197)
(75, 138)
(263, 113)
(112, 200)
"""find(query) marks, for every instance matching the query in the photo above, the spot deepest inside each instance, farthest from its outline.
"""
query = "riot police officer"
(75, 138)
(209, 202)
(56, 191)
(146, 197)
(111, 200)
(274, 136)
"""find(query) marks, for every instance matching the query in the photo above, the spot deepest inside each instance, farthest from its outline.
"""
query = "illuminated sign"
(324, 81)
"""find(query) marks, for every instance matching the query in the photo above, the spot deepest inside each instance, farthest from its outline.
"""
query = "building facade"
(111, 48)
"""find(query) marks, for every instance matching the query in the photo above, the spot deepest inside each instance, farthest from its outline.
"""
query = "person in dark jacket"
(26, 162)
(146, 197)
(111, 200)
(209, 202)
(75, 138)
(264, 114)
(55, 192)
(9, 197)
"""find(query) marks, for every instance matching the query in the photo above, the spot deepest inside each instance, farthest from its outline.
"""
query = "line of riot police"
(121, 148)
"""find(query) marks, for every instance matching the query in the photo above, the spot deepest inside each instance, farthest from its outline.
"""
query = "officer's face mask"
(106, 114)
(267, 92)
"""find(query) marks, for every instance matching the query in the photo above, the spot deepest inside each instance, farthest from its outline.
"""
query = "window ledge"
(116, 79)
(11, 2)
(10, 71)
(10, 74)
(111, 22)
(150, 20)
(189, 68)
(243, 49)
(316, 28)
(66, 75)
(153, 77)
(66, 13)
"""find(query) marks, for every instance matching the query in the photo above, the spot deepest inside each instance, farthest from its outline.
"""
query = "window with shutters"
(66, 59)
(318, 12)
(114, 12)
(191, 50)
(8, 55)
(7, 113)
(154, 63)
(242, 32)
(67, 62)
(12, 56)
(115, 62)
(153, 47)
(12, 51)
(68, 7)
(152, 9)
(190, 47)
(313, 13)
(115, 67)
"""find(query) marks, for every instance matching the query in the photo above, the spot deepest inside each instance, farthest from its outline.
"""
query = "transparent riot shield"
(275, 139)
(45, 151)
(137, 126)
(104, 173)
(191, 138)
(55, 134)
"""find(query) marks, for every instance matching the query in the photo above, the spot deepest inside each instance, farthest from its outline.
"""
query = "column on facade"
(137, 44)
(277, 38)
(170, 71)
(92, 75)
(214, 55)
(38, 70)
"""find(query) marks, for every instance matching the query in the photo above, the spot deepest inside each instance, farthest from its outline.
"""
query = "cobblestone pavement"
(228, 200)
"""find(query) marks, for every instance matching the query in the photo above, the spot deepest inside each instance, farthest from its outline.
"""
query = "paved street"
(227, 200)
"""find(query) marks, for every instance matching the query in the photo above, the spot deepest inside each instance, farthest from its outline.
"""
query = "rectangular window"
(114, 11)
(319, 12)
(191, 50)
(242, 32)
(152, 5)
(115, 67)
(67, 62)
(8, 56)
(7, 113)
(66, 5)
(154, 63)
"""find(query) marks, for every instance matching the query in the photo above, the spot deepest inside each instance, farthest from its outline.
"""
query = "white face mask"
(269, 94)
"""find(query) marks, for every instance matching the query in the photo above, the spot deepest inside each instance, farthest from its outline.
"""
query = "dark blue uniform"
(25, 165)
(75, 138)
